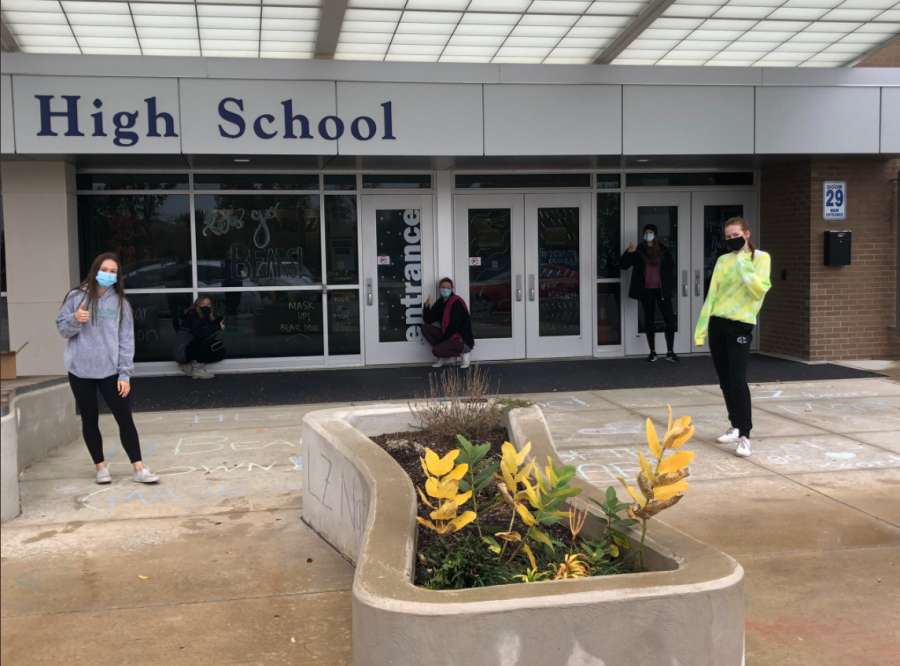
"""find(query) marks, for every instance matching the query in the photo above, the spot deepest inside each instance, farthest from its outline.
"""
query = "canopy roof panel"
(770, 33)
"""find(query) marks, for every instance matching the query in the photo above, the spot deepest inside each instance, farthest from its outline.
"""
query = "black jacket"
(194, 327)
(666, 272)
(460, 322)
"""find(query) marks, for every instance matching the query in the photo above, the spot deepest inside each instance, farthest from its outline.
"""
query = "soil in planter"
(408, 447)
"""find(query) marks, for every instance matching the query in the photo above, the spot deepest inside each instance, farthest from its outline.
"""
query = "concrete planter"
(688, 609)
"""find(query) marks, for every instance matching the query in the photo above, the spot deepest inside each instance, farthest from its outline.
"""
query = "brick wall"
(886, 57)
(785, 234)
(817, 312)
(852, 306)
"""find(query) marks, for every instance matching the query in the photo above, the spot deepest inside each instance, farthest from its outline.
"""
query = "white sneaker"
(187, 369)
(103, 476)
(440, 362)
(743, 449)
(199, 372)
(733, 435)
(466, 360)
(144, 476)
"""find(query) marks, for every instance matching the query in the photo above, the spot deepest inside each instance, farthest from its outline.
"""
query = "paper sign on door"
(474, 261)
(384, 260)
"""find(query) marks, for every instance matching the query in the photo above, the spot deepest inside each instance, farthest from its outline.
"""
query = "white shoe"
(440, 362)
(199, 372)
(103, 475)
(187, 369)
(466, 360)
(733, 435)
(743, 449)
(144, 476)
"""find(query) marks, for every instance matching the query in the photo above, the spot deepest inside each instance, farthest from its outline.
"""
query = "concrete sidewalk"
(235, 578)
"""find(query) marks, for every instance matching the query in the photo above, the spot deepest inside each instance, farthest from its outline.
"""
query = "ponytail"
(744, 227)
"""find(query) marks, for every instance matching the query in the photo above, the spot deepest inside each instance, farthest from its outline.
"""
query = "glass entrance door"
(490, 272)
(671, 214)
(398, 261)
(710, 211)
(557, 264)
(522, 263)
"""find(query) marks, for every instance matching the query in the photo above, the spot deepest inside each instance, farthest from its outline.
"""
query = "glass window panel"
(666, 220)
(559, 283)
(131, 181)
(609, 234)
(522, 180)
(397, 182)
(249, 181)
(341, 239)
(714, 218)
(609, 313)
(246, 240)
(340, 182)
(490, 285)
(266, 324)
(156, 321)
(150, 233)
(2, 253)
(608, 181)
(399, 250)
(688, 179)
(343, 323)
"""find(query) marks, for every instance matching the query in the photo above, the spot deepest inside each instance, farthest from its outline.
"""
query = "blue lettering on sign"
(330, 128)
(124, 122)
(63, 116)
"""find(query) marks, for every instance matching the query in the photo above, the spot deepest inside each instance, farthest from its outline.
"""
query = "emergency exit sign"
(834, 201)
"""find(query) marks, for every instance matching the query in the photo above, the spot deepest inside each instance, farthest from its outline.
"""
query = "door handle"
(531, 287)
(684, 283)
(697, 282)
(518, 288)
(369, 299)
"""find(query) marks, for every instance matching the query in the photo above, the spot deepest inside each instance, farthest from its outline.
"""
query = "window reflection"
(150, 233)
(248, 240)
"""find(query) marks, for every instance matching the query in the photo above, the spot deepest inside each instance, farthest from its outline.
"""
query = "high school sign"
(91, 115)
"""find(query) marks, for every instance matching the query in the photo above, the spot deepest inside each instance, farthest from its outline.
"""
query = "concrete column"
(41, 226)
(443, 225)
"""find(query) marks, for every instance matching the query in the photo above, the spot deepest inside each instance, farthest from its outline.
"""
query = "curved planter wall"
(688, 610)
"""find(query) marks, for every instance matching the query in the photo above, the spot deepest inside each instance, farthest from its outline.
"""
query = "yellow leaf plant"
(442, 484)
(662, 483)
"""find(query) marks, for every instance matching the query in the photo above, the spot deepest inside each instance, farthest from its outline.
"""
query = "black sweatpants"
(85, 391)
(650, 299)
(729, 343)
(199, 350)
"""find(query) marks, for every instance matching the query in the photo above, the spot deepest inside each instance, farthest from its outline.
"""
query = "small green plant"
(613, 524)
(459, 563)
(480, 471)
(509, 404)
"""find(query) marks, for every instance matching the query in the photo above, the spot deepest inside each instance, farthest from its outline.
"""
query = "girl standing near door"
(653, 284)
(98, 325)
(739, 283)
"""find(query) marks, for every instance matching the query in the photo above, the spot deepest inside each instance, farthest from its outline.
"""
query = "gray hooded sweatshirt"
(101, 347)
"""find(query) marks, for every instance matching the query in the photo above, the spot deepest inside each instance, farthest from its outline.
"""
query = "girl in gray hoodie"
(98, 325)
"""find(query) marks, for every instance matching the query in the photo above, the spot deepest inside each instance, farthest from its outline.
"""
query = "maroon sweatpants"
(448, 349)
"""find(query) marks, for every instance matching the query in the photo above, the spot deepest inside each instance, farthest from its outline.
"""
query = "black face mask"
(206, 311)
(734, 244)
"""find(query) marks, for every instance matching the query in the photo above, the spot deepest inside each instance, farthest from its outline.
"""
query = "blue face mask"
(649, 237)
(106, 280)
(446, 293)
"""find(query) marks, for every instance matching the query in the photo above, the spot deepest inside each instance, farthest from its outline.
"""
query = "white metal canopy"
(742, 33)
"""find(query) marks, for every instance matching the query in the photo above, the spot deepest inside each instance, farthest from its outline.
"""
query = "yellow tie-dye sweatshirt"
(736, 292)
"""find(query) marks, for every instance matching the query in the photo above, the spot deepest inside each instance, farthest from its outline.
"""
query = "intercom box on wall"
(837, 248)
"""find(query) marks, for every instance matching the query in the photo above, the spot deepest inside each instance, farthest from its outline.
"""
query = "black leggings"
(729, 344)
(199, 350)
(649, 300)
(85, 391)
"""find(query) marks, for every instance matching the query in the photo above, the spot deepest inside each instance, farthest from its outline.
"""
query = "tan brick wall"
(886, 57)
(785, 234)
(851, 307)
(830, 313)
